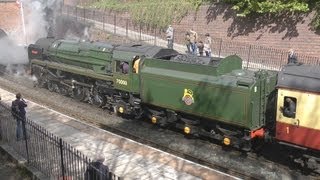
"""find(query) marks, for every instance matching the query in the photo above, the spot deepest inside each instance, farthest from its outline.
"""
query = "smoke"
(11, 53)
(42, 18)
(68, 28)
(39, 19)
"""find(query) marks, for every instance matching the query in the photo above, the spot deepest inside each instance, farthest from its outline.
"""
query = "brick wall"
(283, 32)
(9, 16)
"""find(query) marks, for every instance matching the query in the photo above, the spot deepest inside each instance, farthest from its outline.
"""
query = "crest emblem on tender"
(188, 97)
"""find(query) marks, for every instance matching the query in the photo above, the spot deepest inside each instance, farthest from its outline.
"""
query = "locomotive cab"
(128, 60)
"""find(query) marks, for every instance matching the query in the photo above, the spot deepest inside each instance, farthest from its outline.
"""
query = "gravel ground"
(176, 141)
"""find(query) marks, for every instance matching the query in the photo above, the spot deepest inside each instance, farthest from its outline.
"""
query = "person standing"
(96, 170)
(200, 47)
(169, 34)
(136, 61)
(188, 42)
(207, 45)
(193, 40)
(292, 57)
(19, 113)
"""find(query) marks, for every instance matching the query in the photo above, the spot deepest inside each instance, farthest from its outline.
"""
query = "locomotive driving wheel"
(98, 99)
(41, 82)
(78, 93)
(53, 87)
(63, 90)
(50, 86)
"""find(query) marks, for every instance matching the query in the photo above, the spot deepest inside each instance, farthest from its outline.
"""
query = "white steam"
(39, 16)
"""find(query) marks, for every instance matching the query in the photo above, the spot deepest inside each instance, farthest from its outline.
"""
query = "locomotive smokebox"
(39, 50)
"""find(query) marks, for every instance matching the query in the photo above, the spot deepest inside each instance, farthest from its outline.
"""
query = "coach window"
(289, 107)
(122, 66)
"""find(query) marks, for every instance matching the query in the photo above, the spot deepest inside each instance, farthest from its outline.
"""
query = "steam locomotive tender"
(214, 97)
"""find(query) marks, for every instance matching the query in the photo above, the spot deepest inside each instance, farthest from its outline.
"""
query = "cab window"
(289, 107)
(122, 67)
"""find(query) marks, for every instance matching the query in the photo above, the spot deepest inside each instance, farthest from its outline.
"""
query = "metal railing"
(254, 56)
(46, 152)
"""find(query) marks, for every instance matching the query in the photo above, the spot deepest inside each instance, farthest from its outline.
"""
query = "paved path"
(126, 158)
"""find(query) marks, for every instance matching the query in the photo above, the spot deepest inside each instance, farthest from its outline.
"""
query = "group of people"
(195, 47)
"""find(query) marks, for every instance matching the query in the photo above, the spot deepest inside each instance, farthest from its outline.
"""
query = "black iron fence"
(254, 56)
(48, 153)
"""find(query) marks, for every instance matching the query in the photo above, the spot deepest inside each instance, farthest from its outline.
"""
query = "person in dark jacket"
(96, 170)
(290, 108)
(19, 113)
(200, 48)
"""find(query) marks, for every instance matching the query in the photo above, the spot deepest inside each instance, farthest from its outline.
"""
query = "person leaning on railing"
(292, 57)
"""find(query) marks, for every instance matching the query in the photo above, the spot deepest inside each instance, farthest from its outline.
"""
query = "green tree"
(247, 7)
(160, 13)
(155, 13)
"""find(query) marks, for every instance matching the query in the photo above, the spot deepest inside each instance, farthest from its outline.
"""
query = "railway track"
(238, 172)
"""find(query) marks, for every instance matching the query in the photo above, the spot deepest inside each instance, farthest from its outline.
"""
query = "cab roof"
(146, 50)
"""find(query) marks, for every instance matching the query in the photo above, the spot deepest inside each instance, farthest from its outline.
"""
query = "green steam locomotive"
(212, 97)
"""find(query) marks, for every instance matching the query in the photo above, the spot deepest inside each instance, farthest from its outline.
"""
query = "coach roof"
(300, 77)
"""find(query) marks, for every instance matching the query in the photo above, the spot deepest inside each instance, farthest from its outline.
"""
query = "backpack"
(15, 111)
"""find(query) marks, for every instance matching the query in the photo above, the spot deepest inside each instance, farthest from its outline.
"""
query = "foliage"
(316, 19)
(155, 13)
(247, 7)
(160, 13)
